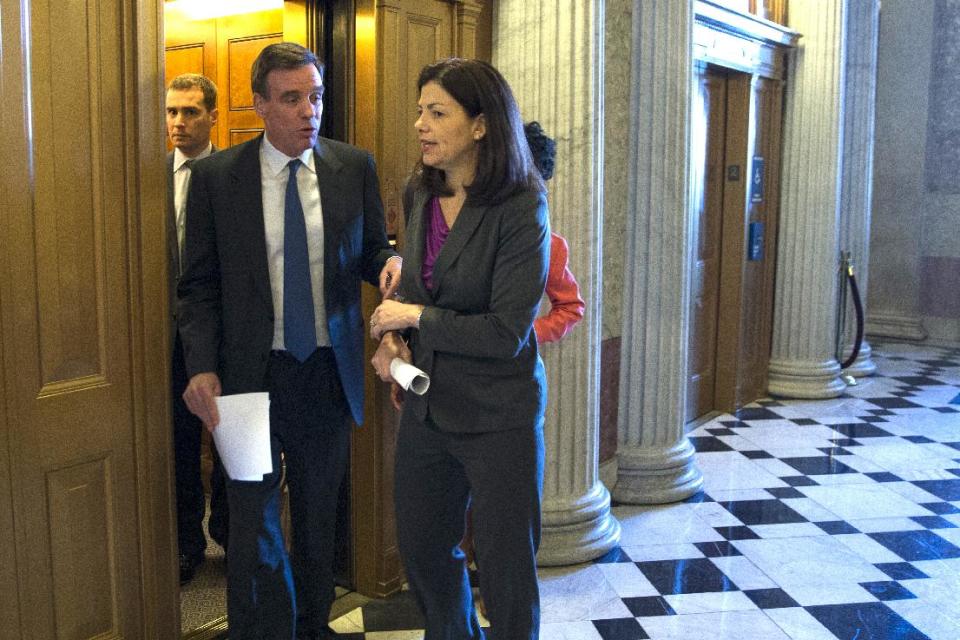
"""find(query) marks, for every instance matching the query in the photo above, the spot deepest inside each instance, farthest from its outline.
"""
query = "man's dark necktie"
(299, 321)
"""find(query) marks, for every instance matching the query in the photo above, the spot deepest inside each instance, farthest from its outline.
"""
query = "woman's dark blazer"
(476, 338)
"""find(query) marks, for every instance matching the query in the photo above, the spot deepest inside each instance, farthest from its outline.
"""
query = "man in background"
(191, 106)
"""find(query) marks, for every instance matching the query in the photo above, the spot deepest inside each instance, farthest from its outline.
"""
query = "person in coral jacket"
(566, 305)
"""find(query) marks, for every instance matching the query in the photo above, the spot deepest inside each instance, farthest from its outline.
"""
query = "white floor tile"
(863, 501)
(815, 561)
(729, 625)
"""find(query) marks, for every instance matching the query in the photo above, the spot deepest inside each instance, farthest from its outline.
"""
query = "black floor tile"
(940, 508)
(763, 512)
(709, 443)
(648, 606)
(933, 522)
(784, 493)
(756, 455)
(901, 570)
(919, 381)
(771, 598)
(948, 490)
(873, 620)
(888, 590)
(691, 575)
(837, 527)
(620, 629)
(893, 403)
(737, 533)
(799, 481)
(860, 430)
(917, 545)
(883, 476)
(717, 549)
(757, 413)
(819, 466)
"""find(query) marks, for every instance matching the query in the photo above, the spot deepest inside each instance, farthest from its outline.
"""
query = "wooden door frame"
(733, 236)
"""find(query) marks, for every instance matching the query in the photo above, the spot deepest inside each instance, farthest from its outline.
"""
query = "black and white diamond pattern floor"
(819, 520)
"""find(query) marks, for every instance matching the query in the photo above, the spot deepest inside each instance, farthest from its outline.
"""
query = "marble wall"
(915, 243)
(617, 124)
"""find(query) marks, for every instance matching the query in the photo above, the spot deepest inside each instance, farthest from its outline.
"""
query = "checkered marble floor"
(818, 520)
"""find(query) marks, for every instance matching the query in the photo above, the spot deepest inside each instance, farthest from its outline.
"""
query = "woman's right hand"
(396, 396)
(391, 346)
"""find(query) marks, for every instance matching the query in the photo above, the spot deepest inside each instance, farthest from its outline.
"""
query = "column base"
(864, 365)
(578, 530)
(810, 380)
(908, 328)
(657, 475)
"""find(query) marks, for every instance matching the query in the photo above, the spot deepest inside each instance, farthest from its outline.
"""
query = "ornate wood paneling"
(229, 44)
(84, 456)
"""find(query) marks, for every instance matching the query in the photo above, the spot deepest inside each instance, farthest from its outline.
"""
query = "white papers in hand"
(409, 377)
(243, 435)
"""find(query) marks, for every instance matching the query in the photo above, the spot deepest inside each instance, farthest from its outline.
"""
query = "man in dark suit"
(191, 105)
(280, 231)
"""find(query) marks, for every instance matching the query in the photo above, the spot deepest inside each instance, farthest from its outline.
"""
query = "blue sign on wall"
(755, 241)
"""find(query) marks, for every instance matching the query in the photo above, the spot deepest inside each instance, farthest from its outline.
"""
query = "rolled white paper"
(409, 377)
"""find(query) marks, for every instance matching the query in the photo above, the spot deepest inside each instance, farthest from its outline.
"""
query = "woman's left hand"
(392, 315)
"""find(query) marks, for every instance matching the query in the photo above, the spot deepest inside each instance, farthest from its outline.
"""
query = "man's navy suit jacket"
(225, 305)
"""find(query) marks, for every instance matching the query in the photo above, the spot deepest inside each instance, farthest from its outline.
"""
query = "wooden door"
(707, 140)
(85, 504)
(735, 171)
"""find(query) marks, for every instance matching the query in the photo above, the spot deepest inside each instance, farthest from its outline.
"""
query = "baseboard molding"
(909, 328)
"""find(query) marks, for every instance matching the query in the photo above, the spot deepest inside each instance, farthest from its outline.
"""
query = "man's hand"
(199, 396)
(391, 346)
(390, 277)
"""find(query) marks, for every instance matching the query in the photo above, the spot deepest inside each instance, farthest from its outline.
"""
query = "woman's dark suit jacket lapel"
(463, 229)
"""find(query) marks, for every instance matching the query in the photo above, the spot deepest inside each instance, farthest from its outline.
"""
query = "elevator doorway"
(735, 177)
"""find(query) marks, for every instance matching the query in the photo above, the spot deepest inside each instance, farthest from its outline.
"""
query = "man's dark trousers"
(309, 424)
(191, 503)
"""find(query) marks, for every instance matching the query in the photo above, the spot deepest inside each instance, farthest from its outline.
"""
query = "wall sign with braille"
(756, 180)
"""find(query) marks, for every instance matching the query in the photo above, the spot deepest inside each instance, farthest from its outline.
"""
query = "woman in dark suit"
(475, 264)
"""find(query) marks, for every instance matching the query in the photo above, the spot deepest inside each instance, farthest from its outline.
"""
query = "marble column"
(802, 361)
(551, 55)
(856, 194)
(656, 459)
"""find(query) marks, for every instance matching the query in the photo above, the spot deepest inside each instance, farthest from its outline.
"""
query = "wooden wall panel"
(80, 515)
(240, 39)
(229, 44)
(394, 39)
